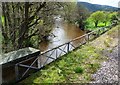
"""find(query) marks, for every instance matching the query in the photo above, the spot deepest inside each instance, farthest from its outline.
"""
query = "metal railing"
(51, 55)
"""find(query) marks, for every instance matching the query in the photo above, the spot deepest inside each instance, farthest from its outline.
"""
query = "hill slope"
(96, 7)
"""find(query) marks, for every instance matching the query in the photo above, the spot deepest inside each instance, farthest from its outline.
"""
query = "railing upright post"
(103, 30)
(16, 72)
(39, 61)
(88, 38)
(68, 46)
(56, 54)
(98, 32)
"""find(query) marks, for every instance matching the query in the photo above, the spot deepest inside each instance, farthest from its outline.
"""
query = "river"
(63, 32)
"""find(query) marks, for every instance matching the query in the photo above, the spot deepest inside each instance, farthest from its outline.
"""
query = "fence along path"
(44, 58)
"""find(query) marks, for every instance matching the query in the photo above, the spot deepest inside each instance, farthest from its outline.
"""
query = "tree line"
(104, 17)
(26, 24)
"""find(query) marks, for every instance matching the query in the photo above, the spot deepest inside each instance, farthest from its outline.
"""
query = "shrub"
(79, 70)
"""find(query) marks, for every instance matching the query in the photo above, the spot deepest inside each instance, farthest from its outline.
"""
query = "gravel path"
(108, 73)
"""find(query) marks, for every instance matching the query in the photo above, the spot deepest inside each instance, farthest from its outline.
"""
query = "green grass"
(76, 66)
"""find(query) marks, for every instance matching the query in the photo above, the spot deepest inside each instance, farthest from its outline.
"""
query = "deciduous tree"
(97, 17)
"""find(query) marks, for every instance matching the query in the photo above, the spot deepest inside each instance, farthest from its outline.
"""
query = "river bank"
(80, 65)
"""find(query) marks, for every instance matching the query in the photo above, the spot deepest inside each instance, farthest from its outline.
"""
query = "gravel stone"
(108, 73)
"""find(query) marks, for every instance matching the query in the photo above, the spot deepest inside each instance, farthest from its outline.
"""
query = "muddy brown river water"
(63, 32)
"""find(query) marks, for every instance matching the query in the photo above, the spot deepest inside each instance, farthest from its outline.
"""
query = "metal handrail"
(55, 49)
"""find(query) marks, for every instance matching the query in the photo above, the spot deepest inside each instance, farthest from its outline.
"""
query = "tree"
(27, 24)
(82, 15)
(75, 13)
(23, 21)
(106, 17)
(19, 18)
(97, 17)
(69, 11)
(114, 17)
